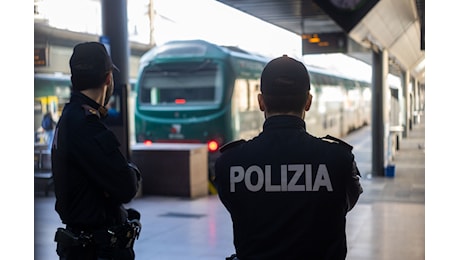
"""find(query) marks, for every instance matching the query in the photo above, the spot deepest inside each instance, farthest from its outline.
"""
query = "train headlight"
(213, 146)
(147, 142)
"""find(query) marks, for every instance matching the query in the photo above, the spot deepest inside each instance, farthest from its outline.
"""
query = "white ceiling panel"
(393, 25)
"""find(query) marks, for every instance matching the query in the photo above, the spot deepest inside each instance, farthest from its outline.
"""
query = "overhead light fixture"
(420, 66)
(314, 39)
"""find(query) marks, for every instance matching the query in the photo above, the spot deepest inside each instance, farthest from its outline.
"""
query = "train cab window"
(183, 83)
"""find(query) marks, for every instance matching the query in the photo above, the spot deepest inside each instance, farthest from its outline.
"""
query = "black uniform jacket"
(92, 177)
(288, 192)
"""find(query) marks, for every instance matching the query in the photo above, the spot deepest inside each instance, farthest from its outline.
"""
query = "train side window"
(241, 93)
(254, 91)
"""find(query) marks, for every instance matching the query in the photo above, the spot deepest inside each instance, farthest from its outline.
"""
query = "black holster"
(122, 236)
(68, 238)
(108, 242)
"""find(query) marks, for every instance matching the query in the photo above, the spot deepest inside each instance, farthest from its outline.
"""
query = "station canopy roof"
(397, 26)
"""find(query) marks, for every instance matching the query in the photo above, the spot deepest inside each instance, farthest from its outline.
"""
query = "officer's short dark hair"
(89, 64)
(284, 104)
(285, 84)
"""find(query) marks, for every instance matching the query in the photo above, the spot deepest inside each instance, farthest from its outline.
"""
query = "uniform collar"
(90, 106)
(284, 121)
(82, 98)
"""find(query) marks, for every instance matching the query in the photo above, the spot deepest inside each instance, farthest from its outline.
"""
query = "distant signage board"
(40, 57)
(316, 43)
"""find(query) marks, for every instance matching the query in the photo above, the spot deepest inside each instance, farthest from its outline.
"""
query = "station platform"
(388, 222)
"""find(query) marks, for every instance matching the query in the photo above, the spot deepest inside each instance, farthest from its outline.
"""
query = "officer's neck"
(96, 94)
(300, 115)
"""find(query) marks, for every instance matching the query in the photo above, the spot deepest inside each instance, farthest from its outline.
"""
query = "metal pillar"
(405, 76)
(416, 101)
(115, 28)
(379, 111)
(411, 103)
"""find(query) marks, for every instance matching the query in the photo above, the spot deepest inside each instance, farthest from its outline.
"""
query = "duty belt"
(121, 236)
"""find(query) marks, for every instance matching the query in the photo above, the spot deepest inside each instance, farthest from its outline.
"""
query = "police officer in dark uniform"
(288, 192)
(92, 177)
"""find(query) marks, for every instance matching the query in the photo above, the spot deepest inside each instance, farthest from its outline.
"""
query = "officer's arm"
(221, 183)
(110, 170)
(353, 189)
(353, 186)
(136, 173)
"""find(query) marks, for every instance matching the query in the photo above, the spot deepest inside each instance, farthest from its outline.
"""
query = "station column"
(405, 76)
(380, 117)
(115, 29)
(416, 101)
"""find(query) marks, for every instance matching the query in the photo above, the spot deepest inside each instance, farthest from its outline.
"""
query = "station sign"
(317, 43)
(40, 57)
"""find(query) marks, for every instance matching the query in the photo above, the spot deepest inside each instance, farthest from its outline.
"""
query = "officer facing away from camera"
(287, 192)
(92, 177)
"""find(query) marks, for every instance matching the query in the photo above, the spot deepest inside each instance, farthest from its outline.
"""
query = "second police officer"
(287, 192)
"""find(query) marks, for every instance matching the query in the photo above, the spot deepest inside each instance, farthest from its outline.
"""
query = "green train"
(197, 92)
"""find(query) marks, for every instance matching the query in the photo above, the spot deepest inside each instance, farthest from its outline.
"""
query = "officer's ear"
(309, 100)
(260, 98)
(108, 78)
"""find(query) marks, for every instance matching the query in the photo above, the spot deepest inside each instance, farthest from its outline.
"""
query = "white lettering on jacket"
(290, 175)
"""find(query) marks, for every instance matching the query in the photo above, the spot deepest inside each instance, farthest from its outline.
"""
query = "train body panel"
(340, 104)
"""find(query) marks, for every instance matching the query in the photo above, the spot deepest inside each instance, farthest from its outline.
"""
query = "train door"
(247, 119)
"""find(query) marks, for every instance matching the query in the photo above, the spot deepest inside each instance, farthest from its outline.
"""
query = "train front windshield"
(189, 83)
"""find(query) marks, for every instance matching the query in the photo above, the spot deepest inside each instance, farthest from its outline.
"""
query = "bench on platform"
(43, 175)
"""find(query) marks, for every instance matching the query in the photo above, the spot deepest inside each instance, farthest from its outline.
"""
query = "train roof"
(197, 48)
(324, 71)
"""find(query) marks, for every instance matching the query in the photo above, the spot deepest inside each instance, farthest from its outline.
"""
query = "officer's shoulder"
(90, 112)
(230, 145)
(336, 140)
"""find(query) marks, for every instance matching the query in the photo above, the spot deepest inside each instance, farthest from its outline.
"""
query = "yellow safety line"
(212, 189)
